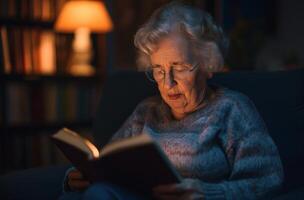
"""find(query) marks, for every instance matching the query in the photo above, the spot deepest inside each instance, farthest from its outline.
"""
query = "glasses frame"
(150, 76)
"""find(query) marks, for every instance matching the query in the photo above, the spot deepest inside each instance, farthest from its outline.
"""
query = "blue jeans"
(102, 191)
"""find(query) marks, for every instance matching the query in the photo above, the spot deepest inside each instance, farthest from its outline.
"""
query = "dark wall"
(265, 35)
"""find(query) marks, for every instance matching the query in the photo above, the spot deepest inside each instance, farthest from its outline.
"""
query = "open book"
(137, 162)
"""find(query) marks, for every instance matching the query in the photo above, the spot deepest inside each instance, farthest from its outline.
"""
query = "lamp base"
(82, 70)
(82, 54)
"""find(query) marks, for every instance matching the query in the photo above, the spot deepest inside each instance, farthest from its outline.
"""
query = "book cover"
(137, 163)
(1, 56)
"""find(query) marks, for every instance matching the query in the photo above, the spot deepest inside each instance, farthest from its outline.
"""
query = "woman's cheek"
(186, 89)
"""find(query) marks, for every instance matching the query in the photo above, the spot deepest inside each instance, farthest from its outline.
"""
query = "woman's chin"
(176, 104)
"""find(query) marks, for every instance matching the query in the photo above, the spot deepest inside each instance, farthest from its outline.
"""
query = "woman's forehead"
(172, 63)
(174, 49)
(175, 41)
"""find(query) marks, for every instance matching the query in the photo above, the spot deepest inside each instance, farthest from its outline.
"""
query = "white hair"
(196, 25)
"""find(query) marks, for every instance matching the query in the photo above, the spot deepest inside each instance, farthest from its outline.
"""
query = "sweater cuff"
(65, 186)
(213, 191)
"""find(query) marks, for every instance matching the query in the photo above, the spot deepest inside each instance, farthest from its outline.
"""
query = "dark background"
(264, 35)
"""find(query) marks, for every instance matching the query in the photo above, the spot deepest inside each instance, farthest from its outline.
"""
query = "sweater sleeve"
(256, 169)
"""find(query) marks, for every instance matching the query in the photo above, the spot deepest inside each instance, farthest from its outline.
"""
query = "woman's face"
(180, 78)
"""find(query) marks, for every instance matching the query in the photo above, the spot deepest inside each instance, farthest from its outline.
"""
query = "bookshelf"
(37, 95)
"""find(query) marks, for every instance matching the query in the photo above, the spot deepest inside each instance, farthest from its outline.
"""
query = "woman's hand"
(187, 189)
(76, 181)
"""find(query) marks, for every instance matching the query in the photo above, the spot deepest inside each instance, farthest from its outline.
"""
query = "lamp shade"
(87, 14)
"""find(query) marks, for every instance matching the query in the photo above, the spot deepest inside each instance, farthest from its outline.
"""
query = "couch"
(279, 97)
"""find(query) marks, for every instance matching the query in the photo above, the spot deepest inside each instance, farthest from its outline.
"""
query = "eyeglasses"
(179, 72)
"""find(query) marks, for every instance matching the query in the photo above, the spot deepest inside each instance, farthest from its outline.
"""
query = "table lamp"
(83, 17)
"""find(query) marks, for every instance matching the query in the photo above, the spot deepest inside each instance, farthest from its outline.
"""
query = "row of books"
(44, 10)
(49, 103)
(33, 51)
(32, 151)
(27, 151)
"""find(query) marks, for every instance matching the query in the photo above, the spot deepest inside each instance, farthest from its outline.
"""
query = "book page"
(120, 145)
(77, 141)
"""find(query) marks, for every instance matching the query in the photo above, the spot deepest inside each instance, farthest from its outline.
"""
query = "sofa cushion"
(36, 183)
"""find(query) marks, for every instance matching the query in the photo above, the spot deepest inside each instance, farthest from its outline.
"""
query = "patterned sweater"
(225, 145)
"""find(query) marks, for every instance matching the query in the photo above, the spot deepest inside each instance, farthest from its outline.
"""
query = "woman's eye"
(158, 71)
(179, 69)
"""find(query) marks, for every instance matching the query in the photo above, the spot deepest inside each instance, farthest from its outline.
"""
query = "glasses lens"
(149, 75)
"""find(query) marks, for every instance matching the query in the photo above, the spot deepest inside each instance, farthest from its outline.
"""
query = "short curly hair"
(197, 26)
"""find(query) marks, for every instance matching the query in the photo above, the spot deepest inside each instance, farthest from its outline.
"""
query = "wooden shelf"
(33, 129)
(48, 78)
(27, 23)
(30, 94)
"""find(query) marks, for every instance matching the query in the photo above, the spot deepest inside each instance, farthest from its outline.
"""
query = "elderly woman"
(213, 136)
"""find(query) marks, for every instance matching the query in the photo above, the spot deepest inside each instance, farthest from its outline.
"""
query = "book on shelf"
(49, 103)
(137, 162)
(28, 51)
(44, 10)
(5, 50)
(1, 55)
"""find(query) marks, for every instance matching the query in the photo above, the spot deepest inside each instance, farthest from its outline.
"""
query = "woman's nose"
(169, 81)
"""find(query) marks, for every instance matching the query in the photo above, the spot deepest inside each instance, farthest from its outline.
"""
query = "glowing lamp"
(82, 18)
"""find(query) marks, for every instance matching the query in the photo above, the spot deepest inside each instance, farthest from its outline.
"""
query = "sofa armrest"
(37, 183)
(296, 194)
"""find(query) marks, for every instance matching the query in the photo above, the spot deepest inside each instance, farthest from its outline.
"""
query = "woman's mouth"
(174, 96)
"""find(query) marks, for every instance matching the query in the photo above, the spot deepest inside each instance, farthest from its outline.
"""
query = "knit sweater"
(225, 145)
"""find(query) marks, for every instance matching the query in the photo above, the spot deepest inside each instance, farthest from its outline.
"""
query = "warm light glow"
(88, 14)
(47, 53)
(93, 149)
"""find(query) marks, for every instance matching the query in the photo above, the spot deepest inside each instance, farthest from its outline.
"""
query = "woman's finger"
(75, 174)
(78, 185)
